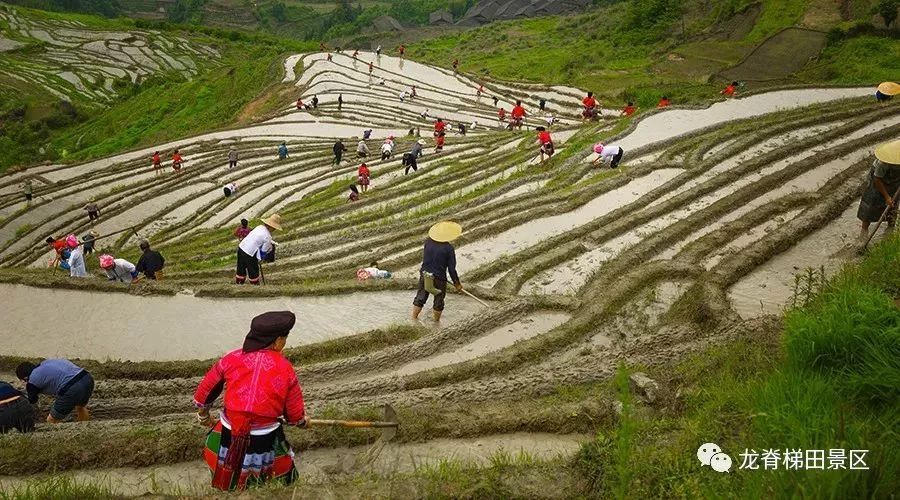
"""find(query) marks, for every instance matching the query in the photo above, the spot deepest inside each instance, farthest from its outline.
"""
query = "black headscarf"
(266, 328)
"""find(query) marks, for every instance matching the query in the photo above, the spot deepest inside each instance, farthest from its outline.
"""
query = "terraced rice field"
(690, 242)
(70, 60)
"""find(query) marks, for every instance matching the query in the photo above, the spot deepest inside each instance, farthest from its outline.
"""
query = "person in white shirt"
(362, 150)
(256, 246)
(387, 150)
(230, 189)
(77, 268)
(402, 95)
(118, 269)
(611, 154)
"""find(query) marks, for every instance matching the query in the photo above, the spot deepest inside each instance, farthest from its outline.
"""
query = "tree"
(887, 9)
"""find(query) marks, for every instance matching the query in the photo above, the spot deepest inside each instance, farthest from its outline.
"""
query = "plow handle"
(351, 423)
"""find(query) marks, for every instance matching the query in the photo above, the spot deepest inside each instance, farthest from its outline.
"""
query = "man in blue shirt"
(438, 260)
(71, 384)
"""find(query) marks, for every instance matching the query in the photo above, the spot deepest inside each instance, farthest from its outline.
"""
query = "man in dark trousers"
(338, 149)
(151, 261)
(438, 260)
(15, 410)
(71, 384)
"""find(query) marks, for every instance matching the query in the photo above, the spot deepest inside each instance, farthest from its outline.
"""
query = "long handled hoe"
(881, 219)
(485, 304)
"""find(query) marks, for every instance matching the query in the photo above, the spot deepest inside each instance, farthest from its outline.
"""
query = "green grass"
(57, 488)
(831, 380)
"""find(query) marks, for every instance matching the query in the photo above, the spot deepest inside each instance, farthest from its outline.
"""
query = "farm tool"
(881, 219)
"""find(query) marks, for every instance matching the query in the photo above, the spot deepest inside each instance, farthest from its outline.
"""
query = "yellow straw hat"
(889, 152)
(889, 88)
(445, 231)
(273, 221)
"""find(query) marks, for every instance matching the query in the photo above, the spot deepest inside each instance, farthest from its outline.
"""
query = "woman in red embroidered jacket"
(247, 445)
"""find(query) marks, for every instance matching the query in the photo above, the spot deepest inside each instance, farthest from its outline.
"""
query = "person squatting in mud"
(118, 269)
(151, 262)
(256, 246)
(71, 384)
(881, 195)
(438, 260)
(247, 446)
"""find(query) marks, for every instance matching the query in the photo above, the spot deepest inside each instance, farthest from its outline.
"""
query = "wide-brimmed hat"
(94, 233)
(889, 88)
(267, 327)
(445, 231)
(421, 141)
(889, 152)
(107, 261)
(273, 221)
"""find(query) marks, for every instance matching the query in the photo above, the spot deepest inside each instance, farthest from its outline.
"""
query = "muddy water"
(769, 287)
(131, 327)
(499, 338)
(320, 465)
(669, 124)
(520, 237)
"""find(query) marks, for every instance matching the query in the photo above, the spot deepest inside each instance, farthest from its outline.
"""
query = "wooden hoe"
(388, 426)
(881, 219)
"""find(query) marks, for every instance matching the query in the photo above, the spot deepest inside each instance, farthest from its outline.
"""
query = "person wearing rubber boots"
(438, 260)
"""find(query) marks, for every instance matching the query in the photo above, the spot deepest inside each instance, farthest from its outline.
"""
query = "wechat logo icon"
(711, 454)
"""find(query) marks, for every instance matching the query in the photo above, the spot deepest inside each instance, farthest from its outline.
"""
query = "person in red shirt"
(480, 90)
(247, 446)
(354, 193)
(546, 143)
(402, 50)
(243, 230)
(663, 103)
(590, 107)
(501, 116)
(371, 67)
(177, 161)
(157, 163)
(439, 126)
(629, 109)
(455, 65)
(62, 252)
(730, 90)
(362, 176)
(518, 115)
(299, 104)
(439, 133)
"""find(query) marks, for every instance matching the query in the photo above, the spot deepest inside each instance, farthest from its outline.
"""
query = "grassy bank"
(831, 380)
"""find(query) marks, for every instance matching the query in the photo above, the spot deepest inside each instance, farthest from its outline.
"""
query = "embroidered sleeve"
(295, 410)
(210, 387)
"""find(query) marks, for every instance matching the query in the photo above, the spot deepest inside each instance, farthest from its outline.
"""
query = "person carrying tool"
(15, 410)
(282, 151)
(243, 230)
(71, 384)
(590, 107)
(151, 262)
(879, 200)
(254, 248)
(77, 268)
(118, 269)
(362, 177)
(232, 157)
(438, 259)
(62, 252)
(247, 446)
(546, 143)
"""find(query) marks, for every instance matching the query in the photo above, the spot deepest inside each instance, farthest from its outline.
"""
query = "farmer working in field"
(439, 259)
(93, 210)
(282, 151)
(880, 196)
(151, 262)
(118, 269)
(243, 230)
(410, 159)
(77, 268)
(730, 90)
(71, 384)
(254, 248)
(247, 446)
(611, 154)
(338, 150)
(15, 410)
(590, 107)
(518, 116)
(886, 91)
(545, 142)
(232, 157)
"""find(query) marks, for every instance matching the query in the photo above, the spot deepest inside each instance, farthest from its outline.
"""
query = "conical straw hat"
(889, 152)
(889, 88)
(445, 231)
(273, 221)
